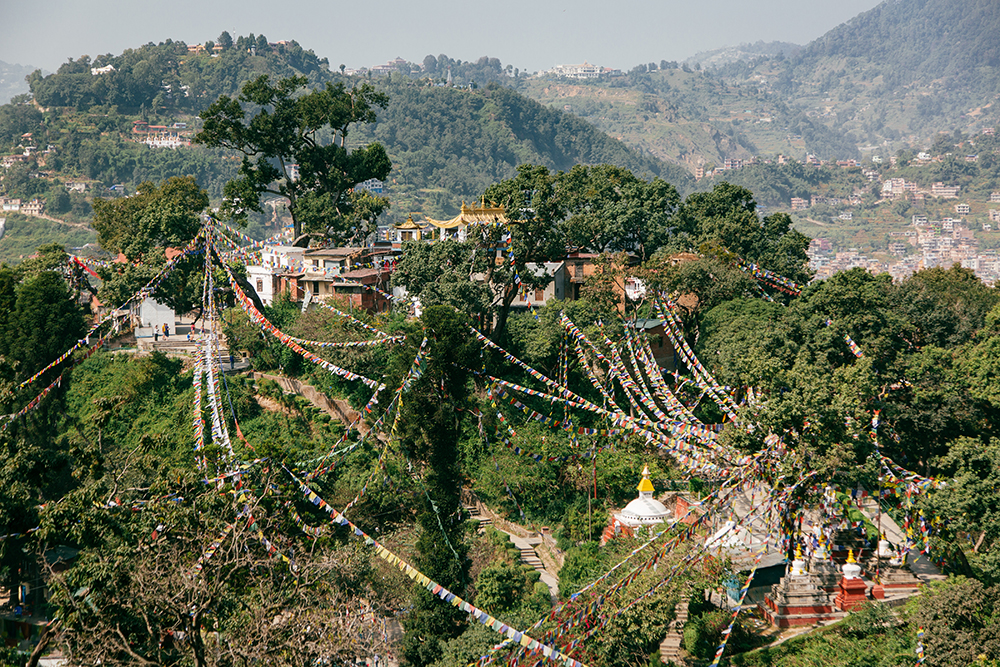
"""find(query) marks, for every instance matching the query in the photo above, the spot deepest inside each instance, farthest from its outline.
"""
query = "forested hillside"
(167, 512)
(447, 144)
(166, 77)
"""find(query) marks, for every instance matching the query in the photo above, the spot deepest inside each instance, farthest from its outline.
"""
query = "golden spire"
(798, 552)
(645, 484)
(850, 556)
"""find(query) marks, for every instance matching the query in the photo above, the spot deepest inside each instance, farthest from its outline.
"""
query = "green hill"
(448, 144)
(692, 117)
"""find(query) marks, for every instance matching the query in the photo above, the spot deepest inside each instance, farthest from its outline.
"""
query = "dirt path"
(80, 225)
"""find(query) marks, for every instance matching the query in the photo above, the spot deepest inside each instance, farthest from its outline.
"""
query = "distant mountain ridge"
(916, 38)
(732, 54)
(899, 72)
(889, 79)
(12, 80)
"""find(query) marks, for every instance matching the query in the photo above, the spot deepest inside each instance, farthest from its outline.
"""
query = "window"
(260, 285)
(539, 295)
(315, 286)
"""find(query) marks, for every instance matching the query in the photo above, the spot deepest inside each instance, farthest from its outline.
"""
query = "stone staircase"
(670, 647)
(475, 514)
(179, 344)
(526, 545)
(529, 557)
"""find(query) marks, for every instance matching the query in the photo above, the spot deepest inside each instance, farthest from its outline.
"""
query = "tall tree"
(610, 208)
(43, 322)
(430, 429)
(281, 133)
(141, 228)
(727, 216)
(534, 208)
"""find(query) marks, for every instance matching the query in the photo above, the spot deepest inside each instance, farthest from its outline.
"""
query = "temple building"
(644, 510)
(457, 227)
(408, 231)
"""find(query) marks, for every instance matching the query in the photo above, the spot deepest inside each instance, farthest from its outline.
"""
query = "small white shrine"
(644, 510)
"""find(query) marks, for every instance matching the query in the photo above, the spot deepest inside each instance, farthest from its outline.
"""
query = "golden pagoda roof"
(473, 215)
(407, 224)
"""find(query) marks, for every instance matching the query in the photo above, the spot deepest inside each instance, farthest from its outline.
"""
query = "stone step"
(670, 647)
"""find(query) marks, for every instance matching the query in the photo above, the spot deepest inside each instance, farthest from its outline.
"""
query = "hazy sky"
(528, 34)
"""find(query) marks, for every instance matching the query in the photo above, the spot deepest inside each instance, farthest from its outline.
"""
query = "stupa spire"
(645, 487)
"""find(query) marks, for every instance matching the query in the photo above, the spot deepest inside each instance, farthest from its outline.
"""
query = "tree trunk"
(197, 645)
(502, 314)
(43, 643)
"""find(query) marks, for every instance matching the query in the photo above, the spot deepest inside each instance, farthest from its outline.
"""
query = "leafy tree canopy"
(142, 228)
(156, 217)
(288, 151)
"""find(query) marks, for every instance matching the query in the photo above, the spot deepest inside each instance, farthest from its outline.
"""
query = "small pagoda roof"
(473, 215)
(407, 224)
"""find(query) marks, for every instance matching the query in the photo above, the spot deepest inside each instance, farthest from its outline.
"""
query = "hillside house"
(962, 209)
(939, 189)
(554, 290)
(351, 289)
(33, 207)
(264, 282)
(285, 257)
(663, 352)
(161, 136)
(372, 185)
(332, 261)
(584, 71)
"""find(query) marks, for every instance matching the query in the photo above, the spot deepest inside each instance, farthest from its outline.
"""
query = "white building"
(153, 315)
(584, 71)
(264, 283)
(284, 257)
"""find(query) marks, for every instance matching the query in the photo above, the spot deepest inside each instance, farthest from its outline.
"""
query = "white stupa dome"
(644, 510)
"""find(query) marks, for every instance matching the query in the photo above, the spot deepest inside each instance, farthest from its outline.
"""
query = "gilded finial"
(798, 552)
(644, 484)
(850, 556)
